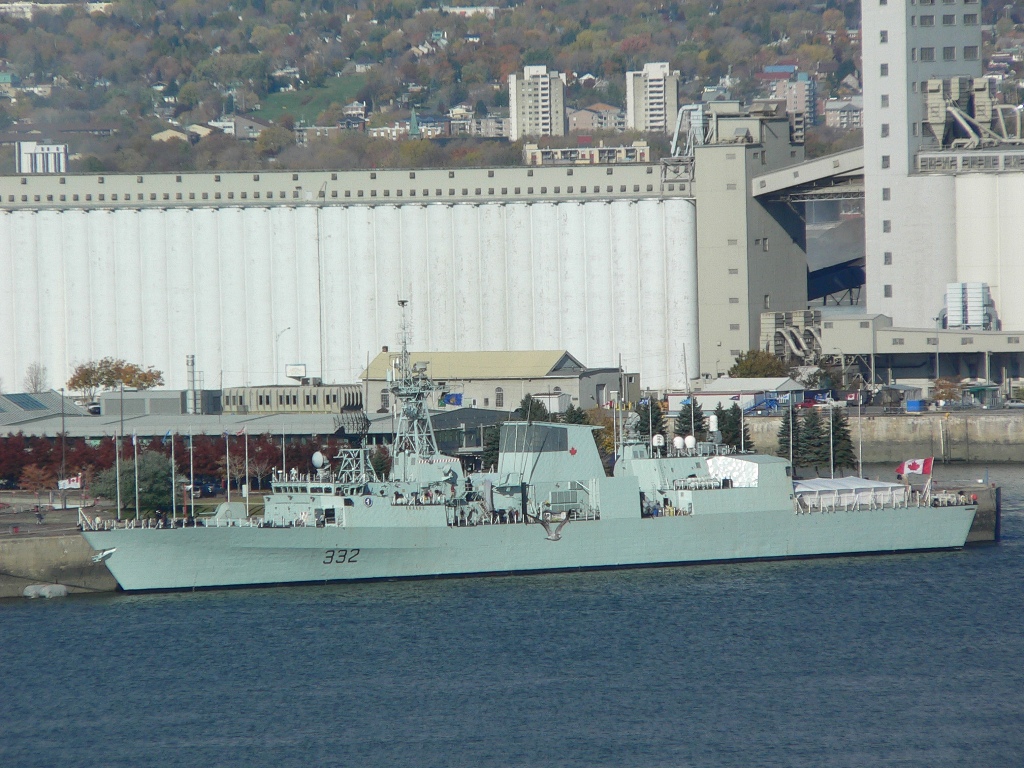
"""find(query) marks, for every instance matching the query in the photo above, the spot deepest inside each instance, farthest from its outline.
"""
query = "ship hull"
(205, 557)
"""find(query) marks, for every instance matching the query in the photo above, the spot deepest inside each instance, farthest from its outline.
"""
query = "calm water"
(909, 660)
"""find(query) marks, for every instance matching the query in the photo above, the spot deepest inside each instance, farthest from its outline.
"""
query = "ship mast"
(412, 390)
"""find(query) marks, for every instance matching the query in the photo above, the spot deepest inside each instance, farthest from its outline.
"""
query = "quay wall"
(63, 560)
(996, 436)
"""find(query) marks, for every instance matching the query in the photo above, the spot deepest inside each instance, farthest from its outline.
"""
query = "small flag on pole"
(165, 438)
(915, 467)
(135, 438)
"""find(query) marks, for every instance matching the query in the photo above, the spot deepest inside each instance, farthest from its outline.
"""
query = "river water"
(907, 660)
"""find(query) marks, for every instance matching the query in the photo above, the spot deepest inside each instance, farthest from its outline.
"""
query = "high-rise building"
(910, 217)
(652, 98)
(801, 95)
(536, 101)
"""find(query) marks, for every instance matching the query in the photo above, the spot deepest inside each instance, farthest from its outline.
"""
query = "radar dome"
(318, 460)
(691, 442)
(659, 441)
(712, 423)
(677, 442)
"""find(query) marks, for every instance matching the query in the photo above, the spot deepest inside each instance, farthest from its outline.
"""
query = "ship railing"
(697, 483)
(472, 514)
(87, 523)
(650, 510)
(837, 501)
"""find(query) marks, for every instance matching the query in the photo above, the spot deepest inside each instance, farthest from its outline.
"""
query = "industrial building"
(250, 272)
(943, 165)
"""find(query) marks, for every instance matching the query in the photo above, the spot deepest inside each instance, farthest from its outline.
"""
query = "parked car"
(1014, 403)
(806, 404)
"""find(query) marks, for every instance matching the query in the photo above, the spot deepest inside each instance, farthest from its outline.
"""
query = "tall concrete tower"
(910, 235)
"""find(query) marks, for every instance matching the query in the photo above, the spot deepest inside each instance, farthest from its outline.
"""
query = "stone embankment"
(979, 436)
(50, 552)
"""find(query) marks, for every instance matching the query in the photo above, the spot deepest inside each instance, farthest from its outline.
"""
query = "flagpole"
(174, 490)
(117, 472)
(191, 477)
(245, 436)
(791, 431)
(135, 461)
(227, 462)
(743, 445)
(831, 451)
(284, 467)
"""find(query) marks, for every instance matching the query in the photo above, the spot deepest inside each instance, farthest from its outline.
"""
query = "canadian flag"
(915, 467)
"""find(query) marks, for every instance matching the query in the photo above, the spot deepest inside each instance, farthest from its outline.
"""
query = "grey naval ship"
(548, 506)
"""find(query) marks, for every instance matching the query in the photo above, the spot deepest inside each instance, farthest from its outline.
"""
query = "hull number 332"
(340, 556)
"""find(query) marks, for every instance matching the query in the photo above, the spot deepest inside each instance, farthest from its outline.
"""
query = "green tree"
(787, 426)
(730, 428)
(531, 409)
(489, 455)
(844, 456)
(691, 421)
(812, 450)
(723, 419)
(154, 484)
(652, 420)
(575, 415)
(757, 364)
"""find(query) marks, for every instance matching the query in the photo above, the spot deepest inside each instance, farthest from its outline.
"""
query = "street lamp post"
(277, 339)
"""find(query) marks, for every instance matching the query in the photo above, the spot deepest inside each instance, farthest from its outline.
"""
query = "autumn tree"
(264, 457)
(112, 373)
(272, 140)
(605, 436)
(948, 389)
(381, 461)
(36, 378)
(36, 479)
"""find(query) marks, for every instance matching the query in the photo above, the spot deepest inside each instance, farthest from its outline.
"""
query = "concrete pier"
(38, 559)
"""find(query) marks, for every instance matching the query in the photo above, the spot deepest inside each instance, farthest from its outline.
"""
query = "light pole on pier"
(277, 339)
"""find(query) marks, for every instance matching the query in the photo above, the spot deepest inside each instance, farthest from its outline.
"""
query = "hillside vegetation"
(150, 62)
